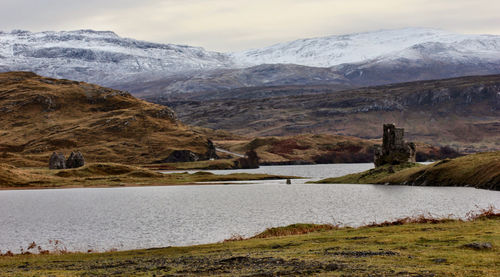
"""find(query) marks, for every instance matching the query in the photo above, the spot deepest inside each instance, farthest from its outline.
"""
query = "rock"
(479, 245)
(75, 160)
(57, 161)
(394, 149)
(439, 260)
(180, 156)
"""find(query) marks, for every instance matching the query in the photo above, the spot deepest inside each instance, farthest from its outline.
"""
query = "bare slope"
(40, 115)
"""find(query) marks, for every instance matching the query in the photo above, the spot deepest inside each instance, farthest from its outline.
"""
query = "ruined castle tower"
(394, 149)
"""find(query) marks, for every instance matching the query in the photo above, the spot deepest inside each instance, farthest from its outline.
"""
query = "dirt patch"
(360, 254)
(264, 266)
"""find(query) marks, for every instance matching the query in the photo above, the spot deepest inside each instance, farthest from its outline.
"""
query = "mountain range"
(168, 70)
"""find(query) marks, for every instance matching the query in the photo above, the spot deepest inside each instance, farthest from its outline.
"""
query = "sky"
(234, 25)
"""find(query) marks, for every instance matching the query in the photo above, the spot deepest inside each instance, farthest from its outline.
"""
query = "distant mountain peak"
(360, 47)
(100, 57)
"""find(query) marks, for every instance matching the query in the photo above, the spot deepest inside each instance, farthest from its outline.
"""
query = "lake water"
(311, 172)
(143, 217)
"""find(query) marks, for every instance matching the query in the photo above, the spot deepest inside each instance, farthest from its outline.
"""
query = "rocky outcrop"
(394, 149)
(75, 160)
(57, 161)
(251, 160)
(181, 156)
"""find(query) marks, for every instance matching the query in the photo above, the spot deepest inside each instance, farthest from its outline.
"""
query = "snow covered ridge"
(411, 43)
(105, 58)
(99, 56)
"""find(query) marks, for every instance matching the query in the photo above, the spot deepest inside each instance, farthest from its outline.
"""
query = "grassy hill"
(480, 170)
(40, 115)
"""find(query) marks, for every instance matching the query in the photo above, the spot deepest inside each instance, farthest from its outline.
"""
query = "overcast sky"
(231, 25)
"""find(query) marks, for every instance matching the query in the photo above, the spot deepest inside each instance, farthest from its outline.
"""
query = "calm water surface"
(143, 217)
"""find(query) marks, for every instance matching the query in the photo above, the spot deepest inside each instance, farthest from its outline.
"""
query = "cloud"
(230, 25)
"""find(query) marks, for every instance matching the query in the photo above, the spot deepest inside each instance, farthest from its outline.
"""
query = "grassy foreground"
(109, 175)
(425, 248)
(480, 170)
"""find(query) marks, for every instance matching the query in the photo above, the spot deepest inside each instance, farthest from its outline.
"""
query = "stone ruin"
(75, 160)
(211, 153)
(394, 149)
(58, 161)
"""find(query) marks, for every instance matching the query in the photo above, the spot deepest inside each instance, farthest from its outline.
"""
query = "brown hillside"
(462, 112)
(321, 148)
(40, 115)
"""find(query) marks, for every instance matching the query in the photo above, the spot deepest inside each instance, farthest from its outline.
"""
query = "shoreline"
(109, 175)
(412, 246)
(132, 185)
(291, 230)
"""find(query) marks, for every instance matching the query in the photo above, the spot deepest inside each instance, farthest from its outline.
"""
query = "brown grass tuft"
(490, 212)
(294, 229)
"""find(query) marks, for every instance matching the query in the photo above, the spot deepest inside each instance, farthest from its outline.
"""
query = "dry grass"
(110, 175)
(108, 169)
(11, 176)
(209, 165)
(294, 229)
(480, 170)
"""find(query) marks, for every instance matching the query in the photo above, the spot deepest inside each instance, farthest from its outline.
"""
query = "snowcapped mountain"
(371, 58)
(409, 43)
(99, 57)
